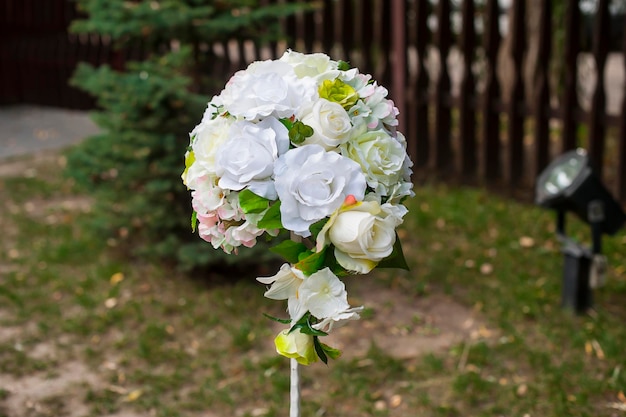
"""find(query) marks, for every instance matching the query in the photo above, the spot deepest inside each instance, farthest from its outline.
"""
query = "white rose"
(312, 183)
(381, 157)
(330, 122)
(316, 65)
(247, 158)
(208, 136)
(363, 234)
(267, 88)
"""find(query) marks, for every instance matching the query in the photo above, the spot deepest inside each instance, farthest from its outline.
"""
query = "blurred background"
(111, 306)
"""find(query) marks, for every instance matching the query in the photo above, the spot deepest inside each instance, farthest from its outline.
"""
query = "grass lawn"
(84, 332)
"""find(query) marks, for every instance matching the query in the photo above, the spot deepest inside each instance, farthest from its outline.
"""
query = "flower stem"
(294, 405)
(294, 391)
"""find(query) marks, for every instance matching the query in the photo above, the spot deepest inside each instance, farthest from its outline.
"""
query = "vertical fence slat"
(328, 25)
(308, 23)
(467, 100)
(515, 154)
(443, 145)
(366, 35)
(597, 128)
(621, 159)
(346, 29)
(399, 60)
(491, 117)
(383, 73)
(569, 102)
(420, 112)
(542, 91)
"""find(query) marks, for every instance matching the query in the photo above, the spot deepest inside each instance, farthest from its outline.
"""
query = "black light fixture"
(569, 184)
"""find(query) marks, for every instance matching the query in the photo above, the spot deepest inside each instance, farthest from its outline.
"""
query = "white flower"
(312, 183)
(247, 158)
(323, 294)
(338, 320)
(330, 122)
(363, 234)
(381, 157)
(207, 196)
(208, 136)
(284, 284)
(267, 88)
(317, 65)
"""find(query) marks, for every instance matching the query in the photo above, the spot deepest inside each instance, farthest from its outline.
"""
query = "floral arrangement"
(304, 149)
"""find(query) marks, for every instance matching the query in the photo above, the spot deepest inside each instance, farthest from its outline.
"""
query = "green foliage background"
(146, 111)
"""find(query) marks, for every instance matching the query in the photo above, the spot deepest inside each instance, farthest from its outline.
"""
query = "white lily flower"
(285, 284)
(338, 320)
(323, 294)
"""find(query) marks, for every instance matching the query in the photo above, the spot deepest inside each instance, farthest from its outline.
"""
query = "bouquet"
(304, 149)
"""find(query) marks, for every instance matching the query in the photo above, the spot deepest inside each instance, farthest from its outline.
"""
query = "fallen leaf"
(598, 349)
(395, 401)
(380, 405)
(116, 278)
(522, 389)
(133, 395)
(526, 242)
(617, 406)
(486, 269)
(492, 252)
(621, 396)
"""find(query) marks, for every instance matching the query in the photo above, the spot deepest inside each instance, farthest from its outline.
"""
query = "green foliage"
(187, 21)
(133, 167)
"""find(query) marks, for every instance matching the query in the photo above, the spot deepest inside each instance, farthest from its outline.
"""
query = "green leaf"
(289, 250)
(343, 65)
(286, 122)
(283, 321)
(312, 263)
(271, 219)
(299, 132)
(194, 221)
(252, 203)
(396, 259)
(330, 351)
(319, 349)
(334, 266)
(305, 327)
(317, 227)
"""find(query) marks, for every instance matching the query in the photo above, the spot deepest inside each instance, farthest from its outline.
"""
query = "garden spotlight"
(569, 184)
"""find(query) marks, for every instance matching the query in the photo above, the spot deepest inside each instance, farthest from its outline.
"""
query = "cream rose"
(330, 122)
(207, 137)
(381, 157)
(363, 234)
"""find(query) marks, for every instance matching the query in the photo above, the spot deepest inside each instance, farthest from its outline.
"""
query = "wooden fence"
(465, 120)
